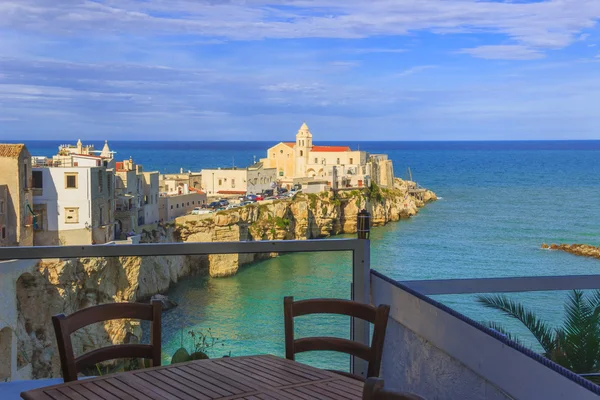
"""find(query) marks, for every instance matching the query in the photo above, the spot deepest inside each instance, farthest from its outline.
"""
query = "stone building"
(173, 183)
(171, 207)
(16, 201)
(136, 197)
(339, 165)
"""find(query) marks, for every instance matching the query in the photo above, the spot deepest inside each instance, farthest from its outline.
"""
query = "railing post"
(361, 288)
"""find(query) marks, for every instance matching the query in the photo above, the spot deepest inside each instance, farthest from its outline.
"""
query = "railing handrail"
(171, 249)
(504, 285)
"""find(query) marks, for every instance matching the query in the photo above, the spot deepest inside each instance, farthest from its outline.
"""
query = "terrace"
(430, 349)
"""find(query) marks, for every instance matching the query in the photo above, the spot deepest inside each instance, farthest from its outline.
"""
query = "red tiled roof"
(231, 192)
(193, 189)
(11, 150)
(330, 148)
(291, 144)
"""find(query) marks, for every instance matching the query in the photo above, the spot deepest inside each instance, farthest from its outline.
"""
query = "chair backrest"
(378, 316)
(64, 326)
(373, 390)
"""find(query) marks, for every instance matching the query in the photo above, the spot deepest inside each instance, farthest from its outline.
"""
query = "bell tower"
(302, 148)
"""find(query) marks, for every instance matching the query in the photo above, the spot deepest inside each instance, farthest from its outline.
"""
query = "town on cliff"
(83, 196)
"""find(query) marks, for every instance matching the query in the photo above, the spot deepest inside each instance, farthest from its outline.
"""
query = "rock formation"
(64, 286)
(584, 250)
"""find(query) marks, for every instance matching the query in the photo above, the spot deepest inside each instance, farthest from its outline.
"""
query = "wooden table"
(250, 378)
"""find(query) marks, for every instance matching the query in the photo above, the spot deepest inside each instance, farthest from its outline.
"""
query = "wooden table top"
(251, 378)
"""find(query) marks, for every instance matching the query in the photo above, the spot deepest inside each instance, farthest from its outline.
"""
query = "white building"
(238, 181)
(73, 205)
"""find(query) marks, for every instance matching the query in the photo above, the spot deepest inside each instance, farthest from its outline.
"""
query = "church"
(339, 166)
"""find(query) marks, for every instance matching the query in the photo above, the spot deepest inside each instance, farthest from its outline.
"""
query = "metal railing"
(360, 248)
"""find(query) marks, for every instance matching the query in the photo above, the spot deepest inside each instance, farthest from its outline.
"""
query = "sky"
(256, 69)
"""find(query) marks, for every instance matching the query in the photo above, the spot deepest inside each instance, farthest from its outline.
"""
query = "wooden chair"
(64, 326)
(377, 316)
(373, 390)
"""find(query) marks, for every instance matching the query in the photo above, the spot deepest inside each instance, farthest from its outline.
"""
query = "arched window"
(301, 153)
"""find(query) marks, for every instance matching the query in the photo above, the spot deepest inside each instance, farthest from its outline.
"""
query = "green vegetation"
(201, 342)
(312, 200)
(374, 192)
(282, 223)
(574, 345)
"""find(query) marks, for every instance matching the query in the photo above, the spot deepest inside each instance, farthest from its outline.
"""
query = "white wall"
(224, 179)
(435, 354)
(57, 197)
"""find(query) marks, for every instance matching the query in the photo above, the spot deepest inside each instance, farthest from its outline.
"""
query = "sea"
(498, 202)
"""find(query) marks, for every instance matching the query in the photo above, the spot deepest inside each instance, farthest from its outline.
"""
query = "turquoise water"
(500, 202)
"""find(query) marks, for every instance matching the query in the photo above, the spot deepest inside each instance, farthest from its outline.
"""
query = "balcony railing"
(430, 348)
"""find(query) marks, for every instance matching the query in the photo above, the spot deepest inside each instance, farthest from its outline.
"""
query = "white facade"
(73, 205)
(150, 187)
(224, 181)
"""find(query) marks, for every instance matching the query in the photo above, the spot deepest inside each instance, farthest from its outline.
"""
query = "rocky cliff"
(64, 286)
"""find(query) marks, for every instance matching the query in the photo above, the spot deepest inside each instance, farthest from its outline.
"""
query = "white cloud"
(504, 52)
(414, 70)
(548, 24)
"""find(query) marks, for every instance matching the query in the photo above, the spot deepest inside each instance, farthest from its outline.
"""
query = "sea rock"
(584, 250)
(166, 302)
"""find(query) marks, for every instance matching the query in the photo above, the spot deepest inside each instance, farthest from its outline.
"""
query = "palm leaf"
(540, 330)
(502, 330)
(581, 333)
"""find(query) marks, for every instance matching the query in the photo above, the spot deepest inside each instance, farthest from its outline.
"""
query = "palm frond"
(502, 330)
(581, 338)
(540, 329)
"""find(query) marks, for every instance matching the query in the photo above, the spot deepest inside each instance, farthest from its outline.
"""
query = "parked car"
(259, 197)
(224, 202)
(267, 193)
(230, 206)
(200, 210)
(272, 198)
(245, 203)
(251, 197)
(282, 190)
(214, 205)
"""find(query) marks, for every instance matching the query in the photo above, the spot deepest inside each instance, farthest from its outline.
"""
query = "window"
(182, 205)
(100, 181)
(338, 161)
(37, 180)
(71, 215)
(25, 183)
(316, 160)
(3, 232)
(281, 151)
(273, 155)
(70, 180)
(145, 199)
(280, 172)
(171, 206)
(351, 161)
(108, 182)
(193, 202)
(301, 153)
(232, 183)
(155, 198)
(101, 216)
(177, 206)
(1, 206)
(220, 182)
(188, 203)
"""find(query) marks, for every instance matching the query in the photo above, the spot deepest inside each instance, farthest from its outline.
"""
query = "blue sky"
(255, 69)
